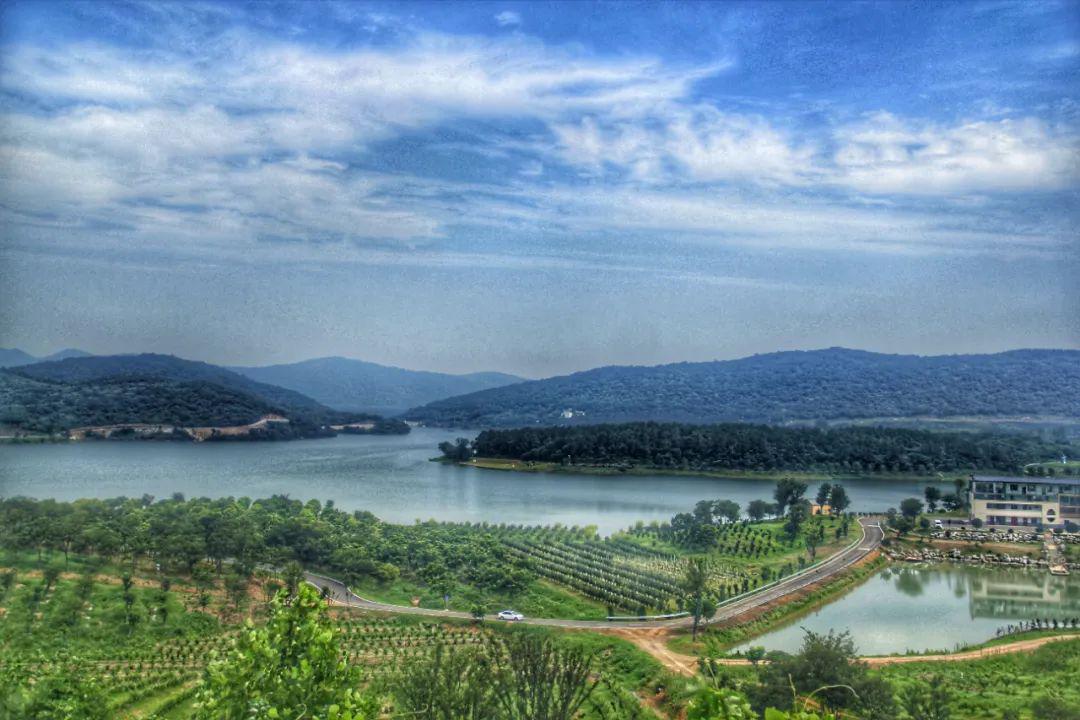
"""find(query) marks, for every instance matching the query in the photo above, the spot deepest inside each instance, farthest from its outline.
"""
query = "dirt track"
(655, 645)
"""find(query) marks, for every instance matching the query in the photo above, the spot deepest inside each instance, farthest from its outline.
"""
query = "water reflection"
(908, 582)
(387, 475)
(923, 607)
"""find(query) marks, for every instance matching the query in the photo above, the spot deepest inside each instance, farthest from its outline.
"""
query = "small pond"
(934, 607)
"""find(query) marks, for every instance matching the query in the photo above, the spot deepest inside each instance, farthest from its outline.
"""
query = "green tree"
(910, 508)
(926, 700)
(828, 667)
(758, 509)
(788, 492)
(726, 509)
(960, 485)
(755, 654)
(815, 535)
(538, 679)
(824, 492)
(447, 686)
(694, 583)
(933, 496)
(839, 500)
(291, 668)
(59, 694)
(796, 516)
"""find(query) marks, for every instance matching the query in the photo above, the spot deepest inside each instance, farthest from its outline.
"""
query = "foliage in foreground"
(290, 668)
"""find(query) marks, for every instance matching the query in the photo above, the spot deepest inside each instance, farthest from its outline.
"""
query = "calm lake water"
(920, 607)
(390, 476)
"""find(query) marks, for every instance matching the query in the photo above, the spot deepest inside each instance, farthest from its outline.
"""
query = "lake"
(934, 607)
(390, 476)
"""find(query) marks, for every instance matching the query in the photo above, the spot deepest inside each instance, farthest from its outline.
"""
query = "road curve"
(871, 538)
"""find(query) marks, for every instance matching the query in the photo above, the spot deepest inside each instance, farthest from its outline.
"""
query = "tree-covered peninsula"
(762, 448)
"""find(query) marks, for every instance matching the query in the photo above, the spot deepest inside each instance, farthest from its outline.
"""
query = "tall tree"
(932, 495)
(536, 679)
(758, 509)
(839, 500)
(788, 492)
(726, 509)
(291, 668)
(910, 508)
(694, 583)
(823, 492)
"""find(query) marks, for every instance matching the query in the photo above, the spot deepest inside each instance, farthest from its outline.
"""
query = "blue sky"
(538, 187)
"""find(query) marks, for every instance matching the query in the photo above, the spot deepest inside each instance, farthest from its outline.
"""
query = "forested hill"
(348, 384)
(149, 388)
(820, 384)
(167, 367)
(762, 447)
(39, 406)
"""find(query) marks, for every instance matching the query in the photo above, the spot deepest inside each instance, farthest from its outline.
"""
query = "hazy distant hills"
(11, 357)
(169, 367)
(46, 406)
(784, 386)
(348, 384)
(148, 388)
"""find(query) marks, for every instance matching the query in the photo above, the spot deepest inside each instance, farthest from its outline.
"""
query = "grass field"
(144, 649)
(540, 599)
(1040, 685)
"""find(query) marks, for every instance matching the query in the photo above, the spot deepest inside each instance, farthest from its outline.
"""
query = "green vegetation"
(48, 407)
(717, 639)
(1040, 685)
(715, 448)
(781, 387)
(532, 466)
(51, 397)
(137, 608)
(1069, 468)
(96, 644)
(290, 668)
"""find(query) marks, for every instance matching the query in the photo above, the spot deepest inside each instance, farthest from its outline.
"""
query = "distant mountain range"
(337, 382)
(150, 388)
(12, 357)
(836, 383)
(356, 385)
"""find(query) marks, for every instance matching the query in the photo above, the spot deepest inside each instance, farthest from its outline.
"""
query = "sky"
(538, 188)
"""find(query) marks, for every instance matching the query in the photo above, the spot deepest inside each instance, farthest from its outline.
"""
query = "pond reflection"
(923, 607)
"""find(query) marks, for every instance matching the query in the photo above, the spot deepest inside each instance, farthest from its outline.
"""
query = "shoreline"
(522, 466)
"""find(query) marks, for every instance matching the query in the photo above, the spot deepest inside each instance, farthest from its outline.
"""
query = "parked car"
(510, 615)
(938, 524)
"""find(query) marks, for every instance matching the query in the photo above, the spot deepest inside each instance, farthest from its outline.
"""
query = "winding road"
(871, 537)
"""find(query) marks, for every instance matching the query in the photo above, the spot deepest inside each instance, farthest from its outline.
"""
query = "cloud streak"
(275, 140)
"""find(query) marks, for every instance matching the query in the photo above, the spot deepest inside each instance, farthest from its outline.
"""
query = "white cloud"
(698, 144)
(507, 18)
(885, 154)
(259, 144)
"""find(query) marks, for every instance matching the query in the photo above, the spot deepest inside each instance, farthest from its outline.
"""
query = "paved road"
(870, 539)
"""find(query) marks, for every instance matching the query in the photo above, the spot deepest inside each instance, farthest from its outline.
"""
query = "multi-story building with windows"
(1025, 501)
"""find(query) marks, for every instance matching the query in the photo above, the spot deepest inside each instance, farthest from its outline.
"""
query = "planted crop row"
(607, 583)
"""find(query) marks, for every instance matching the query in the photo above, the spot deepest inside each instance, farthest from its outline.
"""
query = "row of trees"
(179, 534)
(704, 526)
(850, 450)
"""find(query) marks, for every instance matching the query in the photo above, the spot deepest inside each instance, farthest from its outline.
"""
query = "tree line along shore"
(731, 449)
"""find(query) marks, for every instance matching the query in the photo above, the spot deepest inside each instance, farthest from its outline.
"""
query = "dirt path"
(1013, 647)
(655, 645)
(654, 642)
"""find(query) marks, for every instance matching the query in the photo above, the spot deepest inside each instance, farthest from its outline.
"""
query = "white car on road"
(510, 615)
